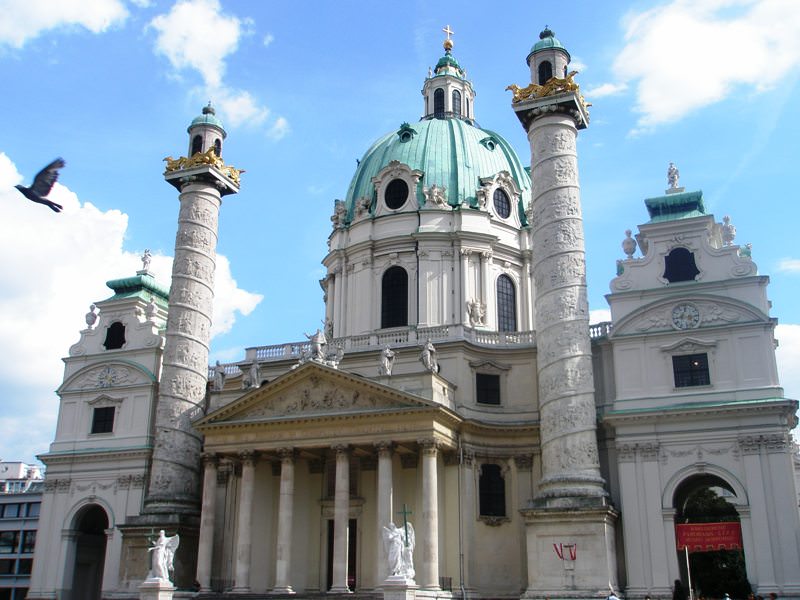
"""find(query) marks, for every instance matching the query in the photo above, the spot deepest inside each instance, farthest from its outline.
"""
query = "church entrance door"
(90, 553)
(351, 554)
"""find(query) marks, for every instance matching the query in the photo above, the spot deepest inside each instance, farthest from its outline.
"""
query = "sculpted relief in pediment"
(107, 376)
(685, 315)
(317, 396)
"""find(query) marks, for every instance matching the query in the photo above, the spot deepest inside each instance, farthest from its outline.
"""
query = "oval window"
(396, 193)
(502, 204)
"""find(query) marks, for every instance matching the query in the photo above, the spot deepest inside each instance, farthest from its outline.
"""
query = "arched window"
(501, 203)
(466, 112)
(217, 147)
(197, 144)
(679, 265)
(394, 298)
(396, 194)
(438, 104)
(545, 71)
(506, 304)
(456, 103)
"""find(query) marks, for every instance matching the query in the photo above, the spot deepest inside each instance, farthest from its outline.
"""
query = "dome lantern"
(447, 92)
(547, 58)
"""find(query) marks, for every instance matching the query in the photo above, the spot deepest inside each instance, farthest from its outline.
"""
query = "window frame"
(688, 375)
(98, 420)
(495, 379)
(506, 304)
(492, 493)
(394, 298)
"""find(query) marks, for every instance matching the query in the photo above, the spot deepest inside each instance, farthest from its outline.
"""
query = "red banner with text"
(707, 537)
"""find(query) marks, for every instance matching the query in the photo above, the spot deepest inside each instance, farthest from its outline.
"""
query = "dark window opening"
(7, 566)
(690, 370)
(197, 144)
(456, 103)
(115, 336)
(394, 298)
(9, 542)
(545, 72)
(438, 104)
(502, 204)
(33, 509)
(103, 420)
(492, 491)
(488, 388)
(217, 147)
(679, 265)
(396, 193)
(28, 542)
(506, 304)
(24, 566)
(10, 511)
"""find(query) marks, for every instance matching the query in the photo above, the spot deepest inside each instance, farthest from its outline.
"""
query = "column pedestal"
(397, 587)
(570, 552)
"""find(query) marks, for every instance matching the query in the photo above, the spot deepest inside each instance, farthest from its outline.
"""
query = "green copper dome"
(209, 117)
(448, 61)
(451, 153)
(547, 41)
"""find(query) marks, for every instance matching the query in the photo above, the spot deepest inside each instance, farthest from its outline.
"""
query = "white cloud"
(268, 39)
(688, 54)
(239, 107)
(280, 128)
(605, 89)
(788, 356)
(599, 315)
(23, 20)
(194, 34)
(789, 265)
(576, 64)
(55, 266)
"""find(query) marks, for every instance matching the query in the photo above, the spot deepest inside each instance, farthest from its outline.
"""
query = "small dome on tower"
(547, 41)
(209, 117)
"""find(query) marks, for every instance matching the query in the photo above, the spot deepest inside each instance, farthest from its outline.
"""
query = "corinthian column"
(243, 525)
(207, 518)
(283, 563)
(430, 517)
(341, 514)
(383, 510)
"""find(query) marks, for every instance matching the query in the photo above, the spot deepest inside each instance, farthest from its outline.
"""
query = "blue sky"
(304, 88)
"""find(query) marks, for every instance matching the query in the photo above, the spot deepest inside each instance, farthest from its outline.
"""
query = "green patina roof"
(547, 41)
(672, 207)
(208, 117)
(447, 60)
(143, 286)
(451, 153)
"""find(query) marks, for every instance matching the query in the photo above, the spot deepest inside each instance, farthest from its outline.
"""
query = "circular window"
(396, 193)
(502, 204)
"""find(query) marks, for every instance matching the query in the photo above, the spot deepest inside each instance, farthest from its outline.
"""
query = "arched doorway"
(90, 551)
(710, 499)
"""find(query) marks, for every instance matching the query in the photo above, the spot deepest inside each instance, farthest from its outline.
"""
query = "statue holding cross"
(399, 545)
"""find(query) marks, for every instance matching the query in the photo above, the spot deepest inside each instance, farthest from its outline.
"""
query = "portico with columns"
(302, 475)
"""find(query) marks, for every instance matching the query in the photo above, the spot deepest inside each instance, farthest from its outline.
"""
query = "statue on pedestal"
(163, 550)
(399, 544)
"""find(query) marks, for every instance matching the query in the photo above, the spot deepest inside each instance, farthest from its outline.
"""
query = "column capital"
(287, 454)
(429, 446)
(341, 449)
(384, 447)
(248, 457)
(210, 459)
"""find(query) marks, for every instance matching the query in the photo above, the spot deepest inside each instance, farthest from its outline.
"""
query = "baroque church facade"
(457, 386)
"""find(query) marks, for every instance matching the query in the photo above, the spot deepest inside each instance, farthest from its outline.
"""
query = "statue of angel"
(163, 550)
(399, 544)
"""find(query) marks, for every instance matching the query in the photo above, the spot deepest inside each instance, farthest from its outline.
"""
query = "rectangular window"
(28, 542)
(690, 370)
(24, 567)
(33, 509)
(492, 491)
(10, 511)
(7, 566)
(488, 388)
(103, 420)
(9, 542)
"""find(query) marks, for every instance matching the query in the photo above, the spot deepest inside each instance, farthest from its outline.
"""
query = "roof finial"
(448, 43)
(209, 109)
(546, 33)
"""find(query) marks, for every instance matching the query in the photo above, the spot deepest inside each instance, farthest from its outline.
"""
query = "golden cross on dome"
(448, 31)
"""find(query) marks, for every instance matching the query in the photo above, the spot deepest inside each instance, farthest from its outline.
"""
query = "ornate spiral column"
(341, 514)
(207, 522)
(283, 551)
(430, 516)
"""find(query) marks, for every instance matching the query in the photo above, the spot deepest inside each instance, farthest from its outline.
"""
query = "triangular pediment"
(314, 391)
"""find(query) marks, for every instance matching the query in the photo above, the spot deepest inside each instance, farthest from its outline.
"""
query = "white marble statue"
(673, 175)
(399, 544)
(254, 375)
(477, 312)
(428, 357)
(318, 343)
(387, 361)
(151, 310)
(728, 231)
(146, 258)
(219, 376)
(163, 550)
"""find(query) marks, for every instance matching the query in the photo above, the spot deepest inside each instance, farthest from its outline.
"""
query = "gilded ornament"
(209, 157)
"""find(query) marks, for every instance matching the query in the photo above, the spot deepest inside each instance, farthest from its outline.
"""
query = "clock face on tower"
(685, 316)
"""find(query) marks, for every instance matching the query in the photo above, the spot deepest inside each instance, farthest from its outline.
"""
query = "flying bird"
(42, 184)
